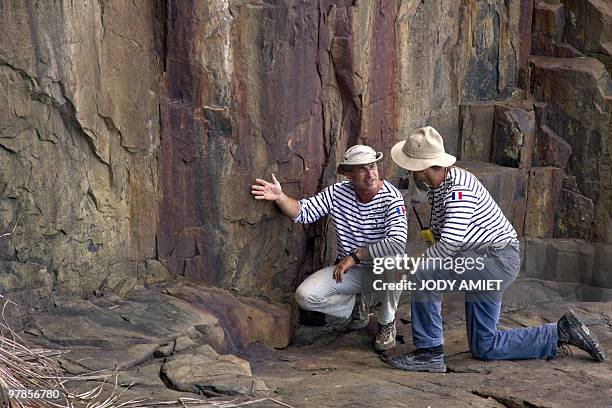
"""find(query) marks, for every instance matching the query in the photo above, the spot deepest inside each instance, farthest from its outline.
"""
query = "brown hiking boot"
(385, 339)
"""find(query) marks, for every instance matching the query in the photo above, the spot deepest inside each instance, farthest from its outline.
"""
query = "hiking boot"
(360, 316)
(385, 339)
(425, 359)
(571, 331)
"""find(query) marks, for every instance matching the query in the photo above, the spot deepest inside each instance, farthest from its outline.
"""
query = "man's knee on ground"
(480, 354)
(483, 349)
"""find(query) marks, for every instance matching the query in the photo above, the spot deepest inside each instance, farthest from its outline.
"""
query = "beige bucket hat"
(422, 149)
(358, 155)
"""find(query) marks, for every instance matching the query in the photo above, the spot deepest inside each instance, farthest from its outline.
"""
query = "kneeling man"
(468, 224)
(369, 216)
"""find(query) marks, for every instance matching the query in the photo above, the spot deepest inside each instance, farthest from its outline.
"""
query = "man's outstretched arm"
(265, 190)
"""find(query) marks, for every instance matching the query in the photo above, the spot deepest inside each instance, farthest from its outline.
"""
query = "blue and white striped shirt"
(380, 225)
(465, 216)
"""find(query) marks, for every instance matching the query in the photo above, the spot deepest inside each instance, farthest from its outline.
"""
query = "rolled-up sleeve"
(315, 207)
(396, 231)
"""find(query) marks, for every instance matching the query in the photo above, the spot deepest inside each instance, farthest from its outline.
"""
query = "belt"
(502, 245)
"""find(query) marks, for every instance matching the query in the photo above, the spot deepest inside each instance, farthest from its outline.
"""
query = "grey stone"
(578, 109)
(550, 149)
(164, 350)
(562, 260)
(548, 24)
(476, 132)
(542, 201)
(602, 268)
(155, 272)
(513, 137)
(147, 375)
(574, 219)
(243, 320)
(588, 27)
(18, 276)
(183, 343)
(507, 186)
(341, 369)
(208, 373)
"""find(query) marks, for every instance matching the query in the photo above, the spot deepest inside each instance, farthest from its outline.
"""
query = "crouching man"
(468, 224)
(370, 221)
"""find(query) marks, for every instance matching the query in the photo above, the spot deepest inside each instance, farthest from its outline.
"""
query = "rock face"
(289, 98)
(477, 127)
(130, 134)
(542, 200)
(570, 80)
(79, 137)
(588, 27)
(513, 136)
(570, 260)
(585, 126)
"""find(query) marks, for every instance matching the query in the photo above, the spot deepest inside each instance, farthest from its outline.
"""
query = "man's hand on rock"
(265, 190)
(343, 266)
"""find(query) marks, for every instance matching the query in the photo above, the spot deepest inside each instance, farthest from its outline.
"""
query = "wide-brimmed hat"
(422, 149)
(358, 155)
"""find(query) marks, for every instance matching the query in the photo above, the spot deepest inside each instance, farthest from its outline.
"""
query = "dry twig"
(24, 368)
(9, 233)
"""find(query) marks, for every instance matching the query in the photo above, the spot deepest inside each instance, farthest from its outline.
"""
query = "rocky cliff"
(80, 137)
(130, 132)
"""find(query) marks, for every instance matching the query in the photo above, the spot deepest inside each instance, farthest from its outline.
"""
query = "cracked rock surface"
(164, 340)
(158, 343)
(340, 370)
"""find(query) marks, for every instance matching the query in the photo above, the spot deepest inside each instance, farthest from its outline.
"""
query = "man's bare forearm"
(289, 206)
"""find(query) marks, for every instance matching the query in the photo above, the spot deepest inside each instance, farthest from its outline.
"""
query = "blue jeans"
(481, 312)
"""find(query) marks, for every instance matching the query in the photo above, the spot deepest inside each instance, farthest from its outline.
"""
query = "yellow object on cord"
(428, 236)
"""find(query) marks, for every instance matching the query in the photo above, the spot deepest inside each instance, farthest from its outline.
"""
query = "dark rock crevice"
(507, 401)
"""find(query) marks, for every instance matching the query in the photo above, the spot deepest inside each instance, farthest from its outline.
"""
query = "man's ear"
(430, 172)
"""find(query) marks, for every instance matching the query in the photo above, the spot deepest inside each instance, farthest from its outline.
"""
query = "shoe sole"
(431, 368)
(361, 325)
(384, 347)
(586, 333)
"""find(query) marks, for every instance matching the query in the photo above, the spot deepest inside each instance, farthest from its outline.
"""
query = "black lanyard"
(433, 196)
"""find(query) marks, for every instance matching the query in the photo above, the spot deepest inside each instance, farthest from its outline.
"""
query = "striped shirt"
(464, 216)
(380, 225)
